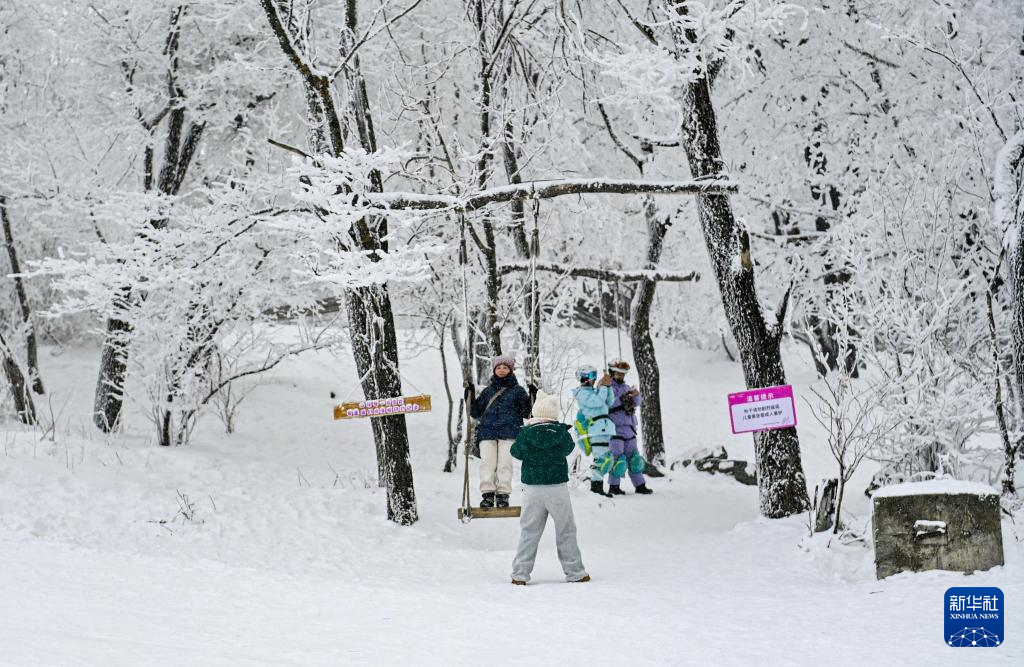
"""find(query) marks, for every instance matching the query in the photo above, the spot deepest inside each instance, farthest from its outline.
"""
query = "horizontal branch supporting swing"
(603, 274)
(537, 190)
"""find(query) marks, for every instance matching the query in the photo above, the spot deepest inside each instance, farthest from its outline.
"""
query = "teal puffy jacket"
(542, 448)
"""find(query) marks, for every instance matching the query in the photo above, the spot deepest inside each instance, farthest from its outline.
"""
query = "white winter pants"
(539, 501)
(496, 466)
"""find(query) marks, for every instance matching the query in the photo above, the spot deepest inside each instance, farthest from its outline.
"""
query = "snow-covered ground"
(287, 557)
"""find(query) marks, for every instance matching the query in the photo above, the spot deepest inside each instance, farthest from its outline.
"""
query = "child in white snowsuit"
(542, 446)
(594, 427)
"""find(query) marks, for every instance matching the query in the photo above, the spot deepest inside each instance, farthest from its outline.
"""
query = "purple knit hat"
(503, 359)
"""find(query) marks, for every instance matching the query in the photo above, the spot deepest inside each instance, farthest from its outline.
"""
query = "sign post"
(383, 407)
(765, 409)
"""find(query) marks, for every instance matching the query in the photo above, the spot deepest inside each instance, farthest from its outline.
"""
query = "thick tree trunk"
(375, 347)
(780, 477)
(31, 347)
(1007, 213)
(1016, 450)
(1016, 271)
(109, 395)
(371, 319)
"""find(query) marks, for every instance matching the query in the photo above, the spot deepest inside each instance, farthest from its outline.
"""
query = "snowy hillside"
(270, 546)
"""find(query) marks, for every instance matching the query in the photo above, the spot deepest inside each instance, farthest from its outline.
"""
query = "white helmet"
(586, 371)
(618, 366)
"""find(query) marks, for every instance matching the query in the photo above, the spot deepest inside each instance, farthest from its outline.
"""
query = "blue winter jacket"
(593, 401)
(504, 418)
(592, 420)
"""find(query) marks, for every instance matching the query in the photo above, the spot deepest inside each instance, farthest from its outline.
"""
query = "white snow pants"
(496, 466)
(540, 500)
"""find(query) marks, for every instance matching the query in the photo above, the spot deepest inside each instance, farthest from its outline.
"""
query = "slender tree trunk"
(839, 501)
(453, 443)
(643, 345)
(780, 477)
(179, 149)
(492, 286)
(109, 395)
(526, 248)
(1009, 451)
(31, 347)
(492, 280)
(23, 403)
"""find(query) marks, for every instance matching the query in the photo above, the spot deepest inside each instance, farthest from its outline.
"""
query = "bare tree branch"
(870, 56)
(615, 139)
(645, 30)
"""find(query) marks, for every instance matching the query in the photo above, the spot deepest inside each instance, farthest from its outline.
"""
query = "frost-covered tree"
(665, 74)
(369, 308)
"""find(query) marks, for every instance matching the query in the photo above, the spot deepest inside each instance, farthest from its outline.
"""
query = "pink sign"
(762, 409)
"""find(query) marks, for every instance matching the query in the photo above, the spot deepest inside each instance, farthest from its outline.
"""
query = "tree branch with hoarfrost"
(337, 183)
(602, 274)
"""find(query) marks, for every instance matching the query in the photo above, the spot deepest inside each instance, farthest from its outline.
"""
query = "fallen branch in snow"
(602, 274)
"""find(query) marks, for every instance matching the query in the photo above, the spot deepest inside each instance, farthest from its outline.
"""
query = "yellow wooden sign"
(383, 407)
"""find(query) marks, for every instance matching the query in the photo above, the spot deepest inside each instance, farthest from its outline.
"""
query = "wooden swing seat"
(491, 513)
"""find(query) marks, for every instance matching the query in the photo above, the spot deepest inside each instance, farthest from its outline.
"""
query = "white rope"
(463, 260)
(600, 310)
(618, 318)
(359, 383)
(534, 368)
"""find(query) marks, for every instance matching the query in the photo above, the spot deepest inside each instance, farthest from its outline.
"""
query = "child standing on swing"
(593, 425)
(500, 410)
(625, 455)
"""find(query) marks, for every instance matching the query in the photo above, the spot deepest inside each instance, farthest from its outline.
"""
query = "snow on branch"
(539, 190)
(1008, 207)
(602, 274)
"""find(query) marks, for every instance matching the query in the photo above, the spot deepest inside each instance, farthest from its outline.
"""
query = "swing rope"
(534, 366)
(463, 260)
(618, 318)
(600, 310)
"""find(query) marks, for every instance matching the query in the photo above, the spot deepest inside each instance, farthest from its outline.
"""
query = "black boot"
(488, 501)
(643, 490)
(598, 488)
(502, 499)
(614, 490)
